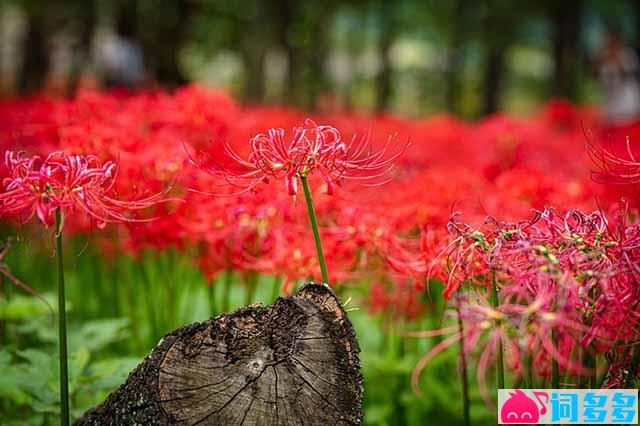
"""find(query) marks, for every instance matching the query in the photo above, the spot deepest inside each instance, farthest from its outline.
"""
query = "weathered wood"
(292, 363)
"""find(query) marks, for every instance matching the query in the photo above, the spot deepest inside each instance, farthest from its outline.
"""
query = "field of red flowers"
(506, 237)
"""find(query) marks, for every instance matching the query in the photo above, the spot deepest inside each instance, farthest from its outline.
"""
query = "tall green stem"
(555, 373)
(590, 352)
(398, 354)
(635, 361)
(593, 381)
(500, 361)
(465, 379)
(62, 327)
(3, 295)
(314, 227)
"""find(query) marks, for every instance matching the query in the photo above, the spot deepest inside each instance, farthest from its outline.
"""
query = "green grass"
(132, 303)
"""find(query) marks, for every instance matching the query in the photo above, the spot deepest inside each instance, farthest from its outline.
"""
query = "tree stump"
(292, 363)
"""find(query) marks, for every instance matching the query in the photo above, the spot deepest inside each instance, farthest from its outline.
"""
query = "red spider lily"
(566, 284)
(312, 149)
(533, 163)
(69, 182)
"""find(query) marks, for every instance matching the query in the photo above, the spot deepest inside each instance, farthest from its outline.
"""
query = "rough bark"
(292, 363)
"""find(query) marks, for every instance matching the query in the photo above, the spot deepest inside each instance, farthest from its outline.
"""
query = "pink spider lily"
(67, 182)
(312, 149)
(525, 330)
(575, 254)
(564, 293)
(52, 187)
(613, 167)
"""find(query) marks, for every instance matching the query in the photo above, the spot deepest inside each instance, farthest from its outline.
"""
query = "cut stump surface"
(292, 363)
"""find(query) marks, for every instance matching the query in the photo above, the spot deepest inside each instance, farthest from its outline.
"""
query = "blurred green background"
(119, 308)
(468, 57)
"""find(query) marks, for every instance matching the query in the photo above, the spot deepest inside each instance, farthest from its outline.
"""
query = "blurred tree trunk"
(565, 19)
(253, 51)
(387, 37)
(348, 91)
(127, 27)
(295, 62)
(499, 28)
(253, 56)
(4, 90)
(81, 53)
(456, 59)
(636, 21)
(493, 79)
(285, 11)
(34, 69)
(301, 30)
(317, 80)
(170, 34)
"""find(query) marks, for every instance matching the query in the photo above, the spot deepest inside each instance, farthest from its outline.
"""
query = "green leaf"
(21, 307)
(11, 381)
(378, 414)
(95, 335)
(78, 362)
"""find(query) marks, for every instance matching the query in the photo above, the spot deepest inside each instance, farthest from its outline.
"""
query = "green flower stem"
(593, 382)
(590, 353)
(465, 379)
(62, 328)
(314, 227)
(500, 361)
(529, 371)
(555, 374)
(633, 367)
(3, 326)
